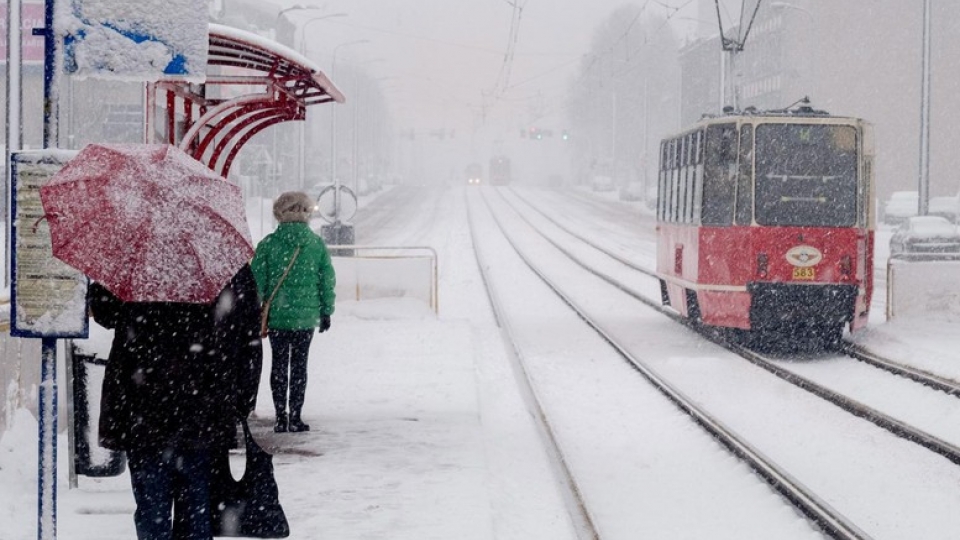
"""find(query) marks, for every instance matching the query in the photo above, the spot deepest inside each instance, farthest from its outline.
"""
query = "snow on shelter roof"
(239, 48)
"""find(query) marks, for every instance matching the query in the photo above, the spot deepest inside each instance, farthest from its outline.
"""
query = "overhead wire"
(729, 44)
(506, 67)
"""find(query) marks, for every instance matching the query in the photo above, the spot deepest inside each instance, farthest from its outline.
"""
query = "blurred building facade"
(363, 127)
(855, 58)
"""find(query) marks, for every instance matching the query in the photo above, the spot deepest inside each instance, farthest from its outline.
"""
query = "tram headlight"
(763, 263)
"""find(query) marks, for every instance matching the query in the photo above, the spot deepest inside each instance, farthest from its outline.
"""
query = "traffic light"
(564, 135)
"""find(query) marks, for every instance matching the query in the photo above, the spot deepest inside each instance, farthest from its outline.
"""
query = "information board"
(48, 298)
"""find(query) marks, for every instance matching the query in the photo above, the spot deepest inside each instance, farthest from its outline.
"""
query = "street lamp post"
(301, 147)
(333, 132)
(280, 13)
(275, 138)
(924, 183)
(356, 123)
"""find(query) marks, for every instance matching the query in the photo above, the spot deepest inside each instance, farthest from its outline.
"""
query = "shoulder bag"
(249, 507)
(265, 313)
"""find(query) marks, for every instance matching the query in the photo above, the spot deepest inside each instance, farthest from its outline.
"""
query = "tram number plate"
(804, 273)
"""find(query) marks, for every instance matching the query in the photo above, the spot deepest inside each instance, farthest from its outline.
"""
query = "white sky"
(419, 431)
(442, 57)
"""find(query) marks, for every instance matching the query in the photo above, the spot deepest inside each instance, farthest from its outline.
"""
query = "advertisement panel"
(32, 17)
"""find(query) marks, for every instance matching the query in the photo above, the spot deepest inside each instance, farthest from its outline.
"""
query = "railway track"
(851, 349)
(887, 421)
(805, 500)
(777, 366)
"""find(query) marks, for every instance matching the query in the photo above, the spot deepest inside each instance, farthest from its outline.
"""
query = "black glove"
(324, 323)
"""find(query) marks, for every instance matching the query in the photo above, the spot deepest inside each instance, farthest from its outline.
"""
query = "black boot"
(297, 425)
(281, 426)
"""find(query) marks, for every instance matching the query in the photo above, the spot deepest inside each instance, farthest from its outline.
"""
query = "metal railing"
(360, 284)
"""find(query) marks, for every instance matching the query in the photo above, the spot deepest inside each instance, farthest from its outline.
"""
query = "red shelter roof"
(252, 83)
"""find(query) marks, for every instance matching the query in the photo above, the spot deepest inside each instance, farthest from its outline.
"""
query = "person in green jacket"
(298, 303)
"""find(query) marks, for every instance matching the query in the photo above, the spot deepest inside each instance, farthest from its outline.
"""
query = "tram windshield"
(806, 175)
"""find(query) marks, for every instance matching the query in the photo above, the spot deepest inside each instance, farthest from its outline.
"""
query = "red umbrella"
(147, 221)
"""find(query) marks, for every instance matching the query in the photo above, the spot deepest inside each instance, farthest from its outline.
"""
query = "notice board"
(48, 298)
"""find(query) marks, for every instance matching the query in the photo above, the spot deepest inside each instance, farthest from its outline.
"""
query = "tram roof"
(802, 112)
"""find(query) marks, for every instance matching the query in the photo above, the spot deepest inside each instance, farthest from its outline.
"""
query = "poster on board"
(48, 298)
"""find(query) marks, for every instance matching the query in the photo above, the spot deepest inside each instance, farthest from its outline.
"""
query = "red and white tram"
(765, 223)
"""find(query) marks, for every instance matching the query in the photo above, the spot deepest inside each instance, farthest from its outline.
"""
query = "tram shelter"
(251, 84)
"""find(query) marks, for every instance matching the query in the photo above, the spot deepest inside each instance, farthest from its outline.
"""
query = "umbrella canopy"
(147, 221)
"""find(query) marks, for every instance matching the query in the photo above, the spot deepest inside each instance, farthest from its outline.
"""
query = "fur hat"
(293, 206)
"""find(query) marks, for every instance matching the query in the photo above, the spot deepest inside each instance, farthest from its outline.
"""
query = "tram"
(765, 224)
(499, 171)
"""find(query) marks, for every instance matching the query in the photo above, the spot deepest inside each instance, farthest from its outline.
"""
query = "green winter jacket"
(308, 291)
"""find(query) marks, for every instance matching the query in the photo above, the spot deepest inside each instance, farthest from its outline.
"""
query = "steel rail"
(851, 349)
(881, 419)
(576, 506)
(583, 238)
(829, 520)
(926, 378)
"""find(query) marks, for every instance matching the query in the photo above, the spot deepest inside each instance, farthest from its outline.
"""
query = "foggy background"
(566, 89)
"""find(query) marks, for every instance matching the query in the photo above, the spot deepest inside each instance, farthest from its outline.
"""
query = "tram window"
(688, 178)
(691, 190)
(667, 174)
(665, 201)
(682, 187)
(674, 176)
(807, 175)
(697, 193)
(700, 147)
(661, 194)
(745, 180)
(719, 174)
(866, 214)
(671, 184)
(661, 183)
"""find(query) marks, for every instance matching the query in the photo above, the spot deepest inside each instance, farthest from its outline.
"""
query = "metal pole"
(47, 404)
(613, 132)
(14, 125)
(924, 188)
(356, 138)
(333, 134)
(47, 444)
(333, 148)
(51, 93)
(302, 154)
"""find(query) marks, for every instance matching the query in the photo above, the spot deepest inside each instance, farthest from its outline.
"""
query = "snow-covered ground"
(418, 430)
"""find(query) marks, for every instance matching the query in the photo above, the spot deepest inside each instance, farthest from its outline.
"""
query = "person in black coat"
(178, 379)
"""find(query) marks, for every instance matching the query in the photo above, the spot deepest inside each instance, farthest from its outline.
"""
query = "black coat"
(179, 375)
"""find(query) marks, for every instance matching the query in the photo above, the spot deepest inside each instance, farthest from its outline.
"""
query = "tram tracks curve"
(886, 421)
(851, 349)
(818, 511)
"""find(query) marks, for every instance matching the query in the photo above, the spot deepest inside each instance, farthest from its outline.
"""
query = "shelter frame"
(212, 120)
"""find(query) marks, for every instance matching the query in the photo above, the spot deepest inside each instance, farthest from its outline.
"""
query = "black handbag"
(249, 507)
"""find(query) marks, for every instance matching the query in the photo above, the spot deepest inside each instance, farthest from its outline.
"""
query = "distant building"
(858, 58)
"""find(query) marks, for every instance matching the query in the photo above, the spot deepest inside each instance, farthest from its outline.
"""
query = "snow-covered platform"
(415, 433)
